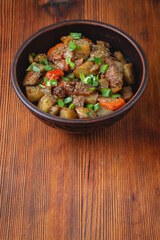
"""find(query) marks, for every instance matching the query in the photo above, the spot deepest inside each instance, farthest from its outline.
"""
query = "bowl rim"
(120, 111)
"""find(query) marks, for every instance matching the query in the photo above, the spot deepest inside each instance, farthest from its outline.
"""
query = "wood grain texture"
(105, 185)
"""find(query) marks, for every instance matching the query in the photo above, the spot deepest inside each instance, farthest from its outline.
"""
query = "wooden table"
(54, 185)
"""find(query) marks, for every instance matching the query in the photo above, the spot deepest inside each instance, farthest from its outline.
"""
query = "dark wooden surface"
(54, 185)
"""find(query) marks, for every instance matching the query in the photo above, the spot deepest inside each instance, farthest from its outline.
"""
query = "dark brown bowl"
(48, 37)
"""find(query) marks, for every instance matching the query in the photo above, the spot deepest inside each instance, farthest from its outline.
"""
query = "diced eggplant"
(102, 111)
(126, 93)
(91, 99)
(85, 68)
(85, 113)
(46, 102)
(84, 50)
(82, 89)
(31, 78)
(78, 101)
(128, 73)
(68, 113)
(34, 93)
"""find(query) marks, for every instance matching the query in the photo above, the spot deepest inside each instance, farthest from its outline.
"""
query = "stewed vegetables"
(79, 79)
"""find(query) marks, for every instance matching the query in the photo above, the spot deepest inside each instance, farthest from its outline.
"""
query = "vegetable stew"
(79, 79)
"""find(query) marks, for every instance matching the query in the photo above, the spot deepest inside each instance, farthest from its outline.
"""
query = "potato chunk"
(127, 93)
(120, 57)
(84, 68)
(46, 102)
(128, 73)
(85, 113)
(102, 111)
(34, 93)
(84, 50)
(103, 84)
(91, 99)
(68, 113)
(54, 110)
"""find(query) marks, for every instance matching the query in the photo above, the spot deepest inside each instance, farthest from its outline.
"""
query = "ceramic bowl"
(48, 37)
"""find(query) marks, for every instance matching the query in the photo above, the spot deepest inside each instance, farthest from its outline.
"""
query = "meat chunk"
(59, 91)
(82, 89)
(78, 101)
(99, 51)
(64, 89)
(31, 78)
(114, 75)
(127, 93)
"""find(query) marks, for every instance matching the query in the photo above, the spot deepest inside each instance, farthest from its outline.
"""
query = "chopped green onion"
(48, 112)
(72, 76)
(45, 80)
(68, 100)
(115, 96)
(89, 114)
(106, 92)
(88, 79)
(90, 60)
(33, 55)
(76, 36)
(65, 79)
(96, 60)
(42, 86)
(34, 68)
(60, 102)
(96, 107)
(92, 88)
(90, 106)
(53, 82)
(73, 46)
(82, 76)
(71, 106)
(95, 81)
(43, 61)
(104, 68)
(68, 60)
(72, 65)
(48, 68)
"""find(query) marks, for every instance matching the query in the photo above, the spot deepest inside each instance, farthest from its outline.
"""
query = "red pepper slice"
(54, 74)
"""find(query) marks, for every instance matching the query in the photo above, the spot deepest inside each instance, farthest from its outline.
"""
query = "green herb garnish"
(60, 102)
(92, 88)
(48, 68)
(76, 36)
(106, 92)
(68, 61)
(82, 76)
(33, 55)
(65, 79)
(34, 68)
(42, 86)
(53, 82)
(72, 76)
(68, 100)
(73, 46)
(71, 106)
(115, 96)
(43, 61)
(104, 68)
(96, 60)
(45, 80)
(89, 114)
(90, 106)
(96, 107)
